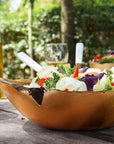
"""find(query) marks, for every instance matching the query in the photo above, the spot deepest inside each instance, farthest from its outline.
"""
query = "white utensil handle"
(79, 53)
(29, 61)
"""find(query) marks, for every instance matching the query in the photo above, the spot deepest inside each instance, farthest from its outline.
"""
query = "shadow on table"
(33, 129)
(104, 134)
(5, 114)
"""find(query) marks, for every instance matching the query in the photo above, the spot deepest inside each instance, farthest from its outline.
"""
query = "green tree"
(68, 28)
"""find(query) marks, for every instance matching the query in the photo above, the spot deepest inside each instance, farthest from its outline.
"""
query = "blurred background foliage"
(94, 24)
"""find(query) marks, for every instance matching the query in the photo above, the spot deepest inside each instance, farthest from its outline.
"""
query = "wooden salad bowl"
(101, 66)
(62, 110)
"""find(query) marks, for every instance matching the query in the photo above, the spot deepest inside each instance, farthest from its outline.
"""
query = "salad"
(109, 58)
(66, 78)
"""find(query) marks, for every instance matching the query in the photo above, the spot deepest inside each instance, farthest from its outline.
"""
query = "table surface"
(17, 129)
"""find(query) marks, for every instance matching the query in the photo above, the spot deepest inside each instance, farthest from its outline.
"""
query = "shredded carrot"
(93, 73)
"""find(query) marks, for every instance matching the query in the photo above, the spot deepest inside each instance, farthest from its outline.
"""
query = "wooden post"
(30, 7)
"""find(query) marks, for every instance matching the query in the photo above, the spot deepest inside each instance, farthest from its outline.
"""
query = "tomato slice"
(41, 81)
(112, 84)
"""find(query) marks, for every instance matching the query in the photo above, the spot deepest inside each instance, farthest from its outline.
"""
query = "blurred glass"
(56, 54)
(1, 66)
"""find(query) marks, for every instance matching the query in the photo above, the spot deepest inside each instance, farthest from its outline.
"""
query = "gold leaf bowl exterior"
(63, 110)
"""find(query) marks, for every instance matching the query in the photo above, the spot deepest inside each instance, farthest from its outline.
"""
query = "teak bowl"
(63, 110)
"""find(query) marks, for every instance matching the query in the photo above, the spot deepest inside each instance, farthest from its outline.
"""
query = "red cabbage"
(91, 80)
(111, 52)
(83, 70)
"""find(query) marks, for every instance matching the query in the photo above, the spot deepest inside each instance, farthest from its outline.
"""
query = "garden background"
(94, 26)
